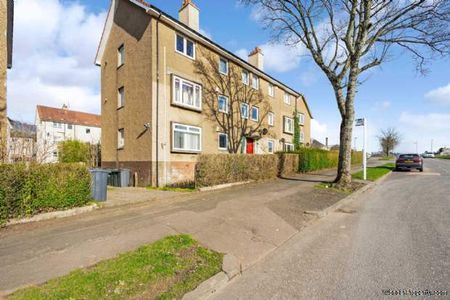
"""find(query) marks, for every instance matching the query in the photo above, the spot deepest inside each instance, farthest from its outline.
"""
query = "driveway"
(247, 221)
(394, 239)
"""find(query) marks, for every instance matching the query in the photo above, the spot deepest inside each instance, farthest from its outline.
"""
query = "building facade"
(6, 38)
(21, 146)
(55, 125)
(153, 112)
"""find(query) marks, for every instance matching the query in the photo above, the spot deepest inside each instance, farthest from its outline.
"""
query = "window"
(301, 118)
(223, 141)
(55, 154)
(271, 90)
(223, 66)
(270, 118)
(186, 138)
(287, 98)
(223, 104)
(187, 93)
(255, 113)
(245, 77)
(121, 97)
(288, 125)
(57, 125)
(185, 46)
(120, 56)
(121, 138)
(88, 131)
(244, 110)
(69, 126)
(302, 136)
(255, 82)
(270, 146)
(288, 147)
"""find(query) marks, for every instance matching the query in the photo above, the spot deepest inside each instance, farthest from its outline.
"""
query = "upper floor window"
(223, 66)
(185, 46)
(244, 110)
(287, 98)
(121, 138)
(301, 118)
(120, 56)
(255, 82)
(255, 113)
(223, 104)
(271, 118)
(245, 77)
(302, 136)
(271, 90)
(288, 125)
(88, 131)
(187, 93)
(121, 97)
(57, 125)
(186, 138)
(69, 126)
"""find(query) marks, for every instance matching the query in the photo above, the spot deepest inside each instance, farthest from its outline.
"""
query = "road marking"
(422, 174)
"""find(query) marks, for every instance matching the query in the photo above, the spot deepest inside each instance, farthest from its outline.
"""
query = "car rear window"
(406, 156)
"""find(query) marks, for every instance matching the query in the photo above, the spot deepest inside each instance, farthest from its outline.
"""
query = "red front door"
(250, 148)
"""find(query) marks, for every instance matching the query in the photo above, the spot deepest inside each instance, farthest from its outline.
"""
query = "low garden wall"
(26, 190)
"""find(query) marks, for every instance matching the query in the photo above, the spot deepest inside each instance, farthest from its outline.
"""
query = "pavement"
(246, 221)
(395, 239)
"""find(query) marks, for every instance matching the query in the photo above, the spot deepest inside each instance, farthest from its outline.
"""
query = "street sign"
(360, 122)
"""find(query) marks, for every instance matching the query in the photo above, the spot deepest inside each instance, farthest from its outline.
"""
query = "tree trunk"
(344, 176)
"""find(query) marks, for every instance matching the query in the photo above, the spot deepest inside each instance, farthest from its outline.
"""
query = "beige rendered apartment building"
(6, 38)
(153, 113)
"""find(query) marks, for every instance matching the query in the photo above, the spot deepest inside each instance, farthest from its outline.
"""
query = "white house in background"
(55, 125)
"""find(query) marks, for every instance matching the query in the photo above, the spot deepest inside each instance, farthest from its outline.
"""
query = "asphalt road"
(393, 239)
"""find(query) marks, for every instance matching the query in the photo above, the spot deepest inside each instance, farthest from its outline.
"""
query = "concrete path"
(395, 238)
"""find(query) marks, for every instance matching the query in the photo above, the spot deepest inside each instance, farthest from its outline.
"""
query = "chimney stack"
(189, 15)
(256, 58)
(326, 142)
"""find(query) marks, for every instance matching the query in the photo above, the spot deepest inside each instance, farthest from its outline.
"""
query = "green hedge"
(215, 169)
(316, 159)
(28, 190)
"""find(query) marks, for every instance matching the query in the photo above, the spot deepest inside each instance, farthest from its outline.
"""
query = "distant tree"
(235, 118)
(346, 39)
(74, 151)
(389, 139)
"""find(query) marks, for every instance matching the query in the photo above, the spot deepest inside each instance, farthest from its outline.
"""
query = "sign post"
(363, 122)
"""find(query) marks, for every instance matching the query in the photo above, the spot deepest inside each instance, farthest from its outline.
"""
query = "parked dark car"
(409, 162)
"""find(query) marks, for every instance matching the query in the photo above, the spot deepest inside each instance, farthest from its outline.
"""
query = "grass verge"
(166, 269)
(387, 158)
(374, 173)
(443, 156)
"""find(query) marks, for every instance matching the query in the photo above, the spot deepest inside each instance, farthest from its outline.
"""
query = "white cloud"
(277, 57)
(321, 131)
(54, 49)
(440, 95)
(382, 105)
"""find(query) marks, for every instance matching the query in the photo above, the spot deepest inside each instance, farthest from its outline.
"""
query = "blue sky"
(60, 70)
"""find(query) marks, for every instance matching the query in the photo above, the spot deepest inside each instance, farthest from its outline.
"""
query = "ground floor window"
(288, 147)
(223, 141)
(186, 138)
(270, 146)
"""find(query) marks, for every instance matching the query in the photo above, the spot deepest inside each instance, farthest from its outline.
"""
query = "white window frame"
(218, 141)
(302, 136)
(301, 118)
(185, 41)
(288, 147)
(271, 119)
(287, 98)
(286, 128)
(57, 125)
(121, 97)
(257, 113)
(255, 82)
(271, 90)
(197, 93)
(248, 111)
(245, 77)
(120, 138)
(269, 142)
(198, 131)
(121, 56)
(227, 104)
(221, 59)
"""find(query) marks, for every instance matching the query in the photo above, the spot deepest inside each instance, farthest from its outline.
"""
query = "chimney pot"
(189, 15)
(256, 58)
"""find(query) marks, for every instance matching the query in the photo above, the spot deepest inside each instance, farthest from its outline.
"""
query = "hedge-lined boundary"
(316, 159)
(29, 190)
(288, 164)
(215, 169)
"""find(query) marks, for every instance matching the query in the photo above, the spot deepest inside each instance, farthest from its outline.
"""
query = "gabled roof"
(183, 28)
(9, 31)
(63, 115)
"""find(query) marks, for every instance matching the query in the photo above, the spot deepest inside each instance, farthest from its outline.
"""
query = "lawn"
(443, 156)
(374, 173)
(387, 158)
(166, 269)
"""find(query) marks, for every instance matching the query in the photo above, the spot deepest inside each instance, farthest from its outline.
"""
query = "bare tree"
(235, 118)
(346, 38)
(389, 139)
